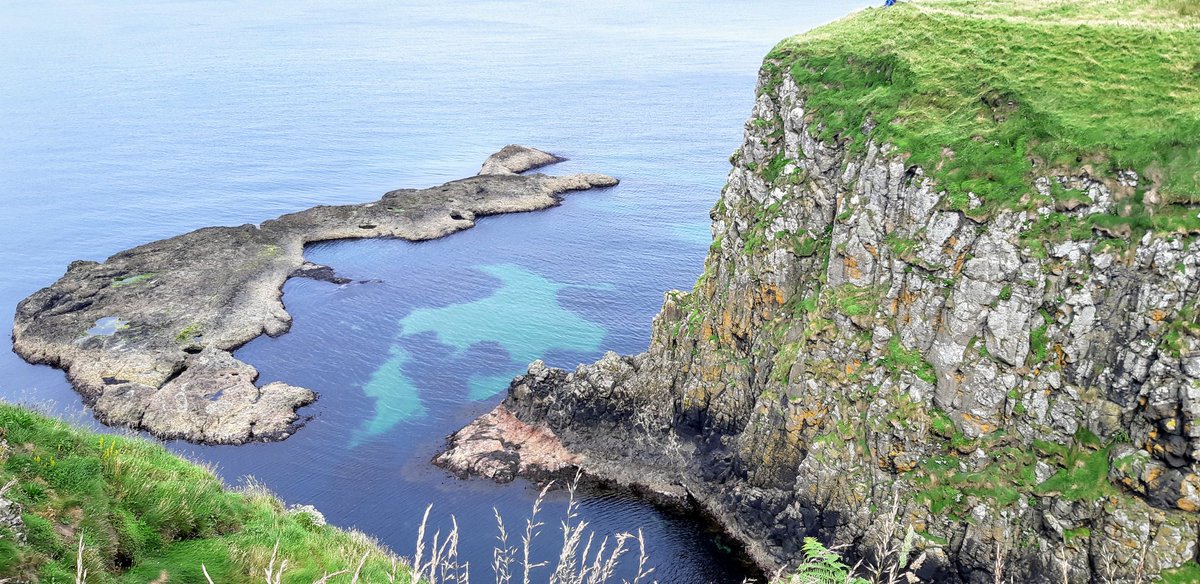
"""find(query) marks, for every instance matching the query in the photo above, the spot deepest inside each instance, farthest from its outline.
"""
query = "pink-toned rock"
(499, 446)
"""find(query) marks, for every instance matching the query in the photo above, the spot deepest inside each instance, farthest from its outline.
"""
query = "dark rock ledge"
(146, 336)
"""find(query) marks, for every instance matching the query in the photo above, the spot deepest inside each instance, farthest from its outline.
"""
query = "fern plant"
(821, 565)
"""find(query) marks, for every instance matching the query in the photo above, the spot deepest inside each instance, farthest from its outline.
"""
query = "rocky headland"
(947, 310)
(146, 337)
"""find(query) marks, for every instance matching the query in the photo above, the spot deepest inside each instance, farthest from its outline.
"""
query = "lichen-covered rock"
(860, 354)
(146, 336)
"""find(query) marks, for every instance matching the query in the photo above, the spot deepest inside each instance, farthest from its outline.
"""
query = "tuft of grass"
(1077, 533)
(941, 424)
(852, 300)
(986, 95)
(772, 171)
(898, 359)
(1084, 472)
(1039, 339)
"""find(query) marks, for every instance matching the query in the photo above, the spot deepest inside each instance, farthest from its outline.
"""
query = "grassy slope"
(985, 95)
(142, 511)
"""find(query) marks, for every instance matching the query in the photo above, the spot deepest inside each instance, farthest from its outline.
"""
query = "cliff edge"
(952, 305)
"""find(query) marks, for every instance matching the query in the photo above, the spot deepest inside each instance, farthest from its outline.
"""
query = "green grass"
(949, 483)
(986, 95)
(1185, 324)
(902, 247)
(941, 424)
(852, 300)
(1077, 533)
(141, 510)
(1039, 339)
(1189, 573)
(775, 168)
(898, 359)
(1083, 475)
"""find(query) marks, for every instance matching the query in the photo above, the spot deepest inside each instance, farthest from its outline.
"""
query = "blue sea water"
(122, 122)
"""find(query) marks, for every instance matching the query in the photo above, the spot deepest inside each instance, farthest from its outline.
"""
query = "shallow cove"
(427, 336)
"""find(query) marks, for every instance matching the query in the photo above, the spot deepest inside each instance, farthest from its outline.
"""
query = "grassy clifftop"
(144, 513)
(987, 95)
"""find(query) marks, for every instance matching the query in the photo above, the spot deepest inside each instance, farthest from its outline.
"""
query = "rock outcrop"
(861, 359)
(146, 336)
(501, 447)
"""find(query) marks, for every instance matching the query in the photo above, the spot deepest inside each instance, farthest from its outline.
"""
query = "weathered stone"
(499, 446)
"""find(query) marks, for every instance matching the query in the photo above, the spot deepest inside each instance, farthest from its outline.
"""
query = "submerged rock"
(146, 336)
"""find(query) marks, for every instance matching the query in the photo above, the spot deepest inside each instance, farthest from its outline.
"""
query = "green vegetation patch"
(985, 97)
(952, 482)
(188, 332)
(1188, 573)
(1039, 339)
(131, 280)
(897, 359)
(1186, 324)
(775, 168)
(1083, 475)
(142, 511)
(902, 247)
(782, 365)
(852, 300)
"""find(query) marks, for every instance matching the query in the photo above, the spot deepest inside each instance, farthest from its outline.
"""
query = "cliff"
(951, 305)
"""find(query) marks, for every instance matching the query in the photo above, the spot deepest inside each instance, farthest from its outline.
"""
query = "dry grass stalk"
(532, 529)
(275, 574)
(503, 554)
(80, 571)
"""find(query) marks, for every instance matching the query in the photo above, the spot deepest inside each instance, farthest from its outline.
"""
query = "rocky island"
(950, 318)
(146, 337)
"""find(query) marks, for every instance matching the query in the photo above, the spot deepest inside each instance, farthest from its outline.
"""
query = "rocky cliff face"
(859, 353)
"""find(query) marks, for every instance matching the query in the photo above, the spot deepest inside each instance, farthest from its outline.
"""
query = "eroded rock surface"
(860, 354)
(501, 447)
(146, 336)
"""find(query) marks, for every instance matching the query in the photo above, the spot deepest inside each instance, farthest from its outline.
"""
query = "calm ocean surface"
(125, 122)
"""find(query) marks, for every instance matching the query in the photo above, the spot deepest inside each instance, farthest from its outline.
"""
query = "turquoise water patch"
(522, 316)
(396, 397)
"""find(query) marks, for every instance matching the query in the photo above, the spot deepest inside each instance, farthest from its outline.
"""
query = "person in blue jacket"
(890, 3)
